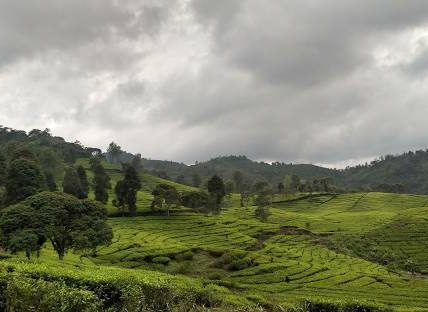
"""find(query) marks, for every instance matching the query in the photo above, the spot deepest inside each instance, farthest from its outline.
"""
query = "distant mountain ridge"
(408, 171)
(225, 166)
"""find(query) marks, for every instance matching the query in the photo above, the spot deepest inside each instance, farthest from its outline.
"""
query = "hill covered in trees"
(226, 167)
(405, 173)
(251, 236)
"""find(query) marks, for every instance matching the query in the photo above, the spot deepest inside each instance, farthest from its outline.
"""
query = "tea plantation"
(319, 252)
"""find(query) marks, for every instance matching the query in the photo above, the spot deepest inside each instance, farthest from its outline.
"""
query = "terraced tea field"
(310, 248)
(368, 248)
(144, 196)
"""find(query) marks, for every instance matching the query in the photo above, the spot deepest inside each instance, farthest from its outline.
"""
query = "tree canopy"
(126, 190)
(67, 222)
(23, 177)
(101, 180)
(217, 190)
(72, 185)
(164, 197)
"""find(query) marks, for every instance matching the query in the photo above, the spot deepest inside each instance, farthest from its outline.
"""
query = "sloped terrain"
(308, 249)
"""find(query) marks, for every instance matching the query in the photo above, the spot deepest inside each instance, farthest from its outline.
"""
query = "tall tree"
(281, 187)
(3, 165)
(217, 191)
(120, 192)
(83, 178)
(132, 185)
(164, 197)
(263, 201)
(69, 223)
(50, 181)
(295, 183)
(137, 162)
(94, 162)
(239, 180)
(101, 181)
(50, 160)
(114, 150)
(196, 180)
(126, 190)
(245, 198)
(21, 230)
(23, 178)
(71, 184)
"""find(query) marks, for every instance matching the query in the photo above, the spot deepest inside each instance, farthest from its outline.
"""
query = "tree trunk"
(59, 247)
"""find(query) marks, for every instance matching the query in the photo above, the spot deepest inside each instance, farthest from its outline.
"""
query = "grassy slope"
(144, 196)
(322, 259)
(290, 266)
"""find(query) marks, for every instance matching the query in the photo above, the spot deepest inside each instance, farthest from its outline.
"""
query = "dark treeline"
(405, 173)
(33, 208)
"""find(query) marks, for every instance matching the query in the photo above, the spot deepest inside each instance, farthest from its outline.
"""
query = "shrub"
(325, 306)
(182, 268)
(262, 213)
(187, 255)
(161, 260)
(22, 294)
(214, 276)
(233, 261)
(215, 253)
(240, 264)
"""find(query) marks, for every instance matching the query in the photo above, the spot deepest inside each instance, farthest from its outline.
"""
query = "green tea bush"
(187, 255)
(214, 276)
(325, 306)
(182, 268)
(233, 261)
(215, 253)
(43, 287)
(161, 260)
(23, 294)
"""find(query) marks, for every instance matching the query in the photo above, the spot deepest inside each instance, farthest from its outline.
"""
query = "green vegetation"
(306, 251)
(291, 257)
(405, 173)
(64, 220)
(225, 246)
(126, 190)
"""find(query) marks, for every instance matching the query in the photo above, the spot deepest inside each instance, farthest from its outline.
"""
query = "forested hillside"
(251, 237)
(407, 172)
(252, 171)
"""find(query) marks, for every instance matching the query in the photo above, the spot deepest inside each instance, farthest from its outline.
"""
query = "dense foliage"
(283, 240)
(68, 223)
(101, 180)
(126, 190)
(164, 198)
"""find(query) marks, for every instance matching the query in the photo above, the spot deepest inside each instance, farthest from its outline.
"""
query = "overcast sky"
(329, 82)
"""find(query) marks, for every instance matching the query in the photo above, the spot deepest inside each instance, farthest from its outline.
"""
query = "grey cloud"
(418, 66)
(31, 27)
(192, 79)
(306, 42)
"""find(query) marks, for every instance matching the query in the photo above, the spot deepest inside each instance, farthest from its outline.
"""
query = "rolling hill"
(408, 170)
(327, 251)
(357, 251)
